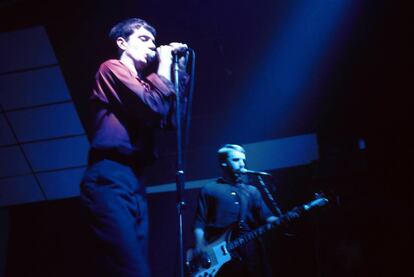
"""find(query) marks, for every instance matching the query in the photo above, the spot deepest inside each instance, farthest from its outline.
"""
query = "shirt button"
(236, 202)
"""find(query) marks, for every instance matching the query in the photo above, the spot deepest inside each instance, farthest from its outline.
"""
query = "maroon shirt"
(125, 111)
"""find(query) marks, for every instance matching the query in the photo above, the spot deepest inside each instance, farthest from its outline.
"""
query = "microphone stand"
(269, 196)
(180, 168)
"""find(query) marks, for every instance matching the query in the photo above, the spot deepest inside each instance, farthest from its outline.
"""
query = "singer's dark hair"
(224, 151)
(126, 27)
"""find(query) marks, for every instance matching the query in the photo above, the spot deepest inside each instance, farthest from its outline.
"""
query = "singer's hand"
(164, 53)
(178, 46)
(182, 48)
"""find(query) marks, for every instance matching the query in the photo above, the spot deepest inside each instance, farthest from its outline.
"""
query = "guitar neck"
(249, 236)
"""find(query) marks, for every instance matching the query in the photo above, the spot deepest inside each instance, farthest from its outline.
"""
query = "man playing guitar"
(231, 216)
(230, 202)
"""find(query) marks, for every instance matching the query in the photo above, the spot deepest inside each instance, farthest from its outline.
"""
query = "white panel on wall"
(12, 162)
(18, 190)
(6, 135)
(24, 49)
(61, 184)
(282, 153)
(46, 122)
(57, 154)
(264, 155)
(35, 87)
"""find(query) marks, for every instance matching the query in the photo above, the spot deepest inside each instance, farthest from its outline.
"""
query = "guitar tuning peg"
(319, 195)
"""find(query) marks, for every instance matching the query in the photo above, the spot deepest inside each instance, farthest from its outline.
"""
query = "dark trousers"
(116, 211)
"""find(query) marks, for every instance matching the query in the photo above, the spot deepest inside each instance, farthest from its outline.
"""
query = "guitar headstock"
(319, 201)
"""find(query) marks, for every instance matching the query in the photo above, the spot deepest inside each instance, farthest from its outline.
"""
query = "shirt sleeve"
(201, 211)
(152, 102)
(171, 119)
(262, 210)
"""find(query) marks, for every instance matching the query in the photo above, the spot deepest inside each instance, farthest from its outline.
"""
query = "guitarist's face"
(235, 162)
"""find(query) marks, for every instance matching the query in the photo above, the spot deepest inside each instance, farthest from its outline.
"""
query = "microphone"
(247, 171)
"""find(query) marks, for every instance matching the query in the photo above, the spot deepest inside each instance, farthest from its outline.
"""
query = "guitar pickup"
(224, 250)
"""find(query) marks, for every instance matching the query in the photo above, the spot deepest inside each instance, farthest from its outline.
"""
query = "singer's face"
(140, 46)
(235, 161)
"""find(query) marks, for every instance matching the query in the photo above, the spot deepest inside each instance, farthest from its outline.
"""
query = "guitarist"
(231, 203)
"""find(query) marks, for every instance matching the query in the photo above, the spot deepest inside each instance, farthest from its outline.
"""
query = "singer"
(132, 96)
(230, 202)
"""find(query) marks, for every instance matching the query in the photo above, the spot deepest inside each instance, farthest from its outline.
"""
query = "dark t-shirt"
(221, 204)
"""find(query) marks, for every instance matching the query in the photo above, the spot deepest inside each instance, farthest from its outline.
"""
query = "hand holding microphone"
(174, 48)
(165, 56)
(180, 53)
(179, 48)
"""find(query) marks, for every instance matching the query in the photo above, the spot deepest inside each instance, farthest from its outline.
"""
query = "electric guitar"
(217, 253)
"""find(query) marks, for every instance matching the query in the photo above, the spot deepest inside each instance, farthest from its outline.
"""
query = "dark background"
(360, 90)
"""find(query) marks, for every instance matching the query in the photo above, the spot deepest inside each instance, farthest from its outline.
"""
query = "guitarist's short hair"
(223, 152)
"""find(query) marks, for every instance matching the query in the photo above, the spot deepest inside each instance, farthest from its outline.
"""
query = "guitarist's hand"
(200, 247)
(200, 242)
(197, 257)
(291, 215)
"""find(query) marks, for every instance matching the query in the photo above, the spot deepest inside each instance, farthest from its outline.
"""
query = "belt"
(99, 155)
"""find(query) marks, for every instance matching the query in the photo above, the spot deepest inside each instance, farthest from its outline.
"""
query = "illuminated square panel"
(19, 190)
(46, 122)
(12, 162)
(24, 49)
(57, 154)
(31, 88)
(61, 184)
(42, 131)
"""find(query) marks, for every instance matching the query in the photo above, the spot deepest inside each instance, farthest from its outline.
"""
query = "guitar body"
(214, 257)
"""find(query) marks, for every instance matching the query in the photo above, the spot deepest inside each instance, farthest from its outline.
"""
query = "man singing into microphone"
(230, 202)
(126, 105)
